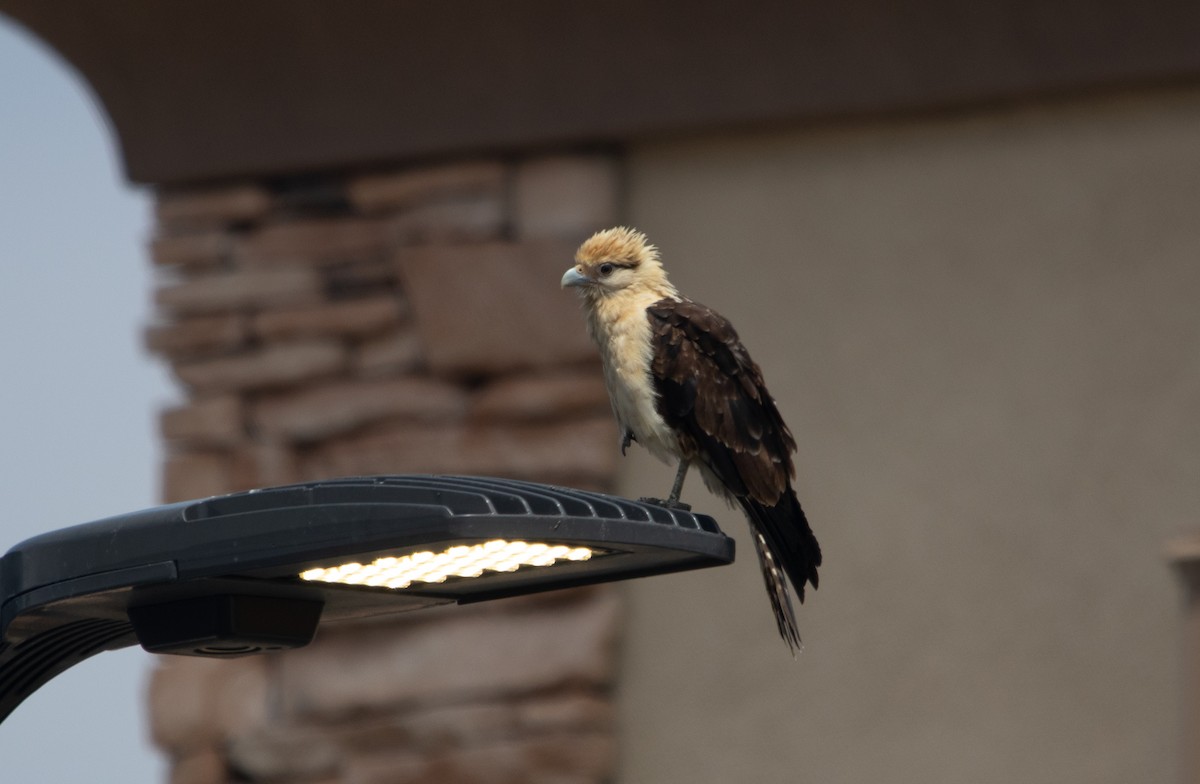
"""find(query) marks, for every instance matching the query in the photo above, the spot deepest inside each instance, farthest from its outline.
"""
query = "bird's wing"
(712, 394)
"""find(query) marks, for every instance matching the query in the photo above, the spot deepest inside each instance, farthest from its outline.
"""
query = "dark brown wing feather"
(710, 390)
(712, 393)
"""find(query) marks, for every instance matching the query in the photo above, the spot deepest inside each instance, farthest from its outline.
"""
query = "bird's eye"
(606, 269)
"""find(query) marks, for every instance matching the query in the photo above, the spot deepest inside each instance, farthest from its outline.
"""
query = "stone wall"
(405, 321)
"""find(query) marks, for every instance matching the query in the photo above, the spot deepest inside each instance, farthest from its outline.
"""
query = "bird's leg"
(626, 440)
(673, 501)
(677, 488)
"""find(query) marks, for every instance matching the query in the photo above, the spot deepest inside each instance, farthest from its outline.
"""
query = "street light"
(258, 571)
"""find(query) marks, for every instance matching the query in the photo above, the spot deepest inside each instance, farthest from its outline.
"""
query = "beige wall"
(985, 332)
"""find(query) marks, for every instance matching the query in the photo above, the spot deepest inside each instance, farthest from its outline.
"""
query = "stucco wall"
(985, 333)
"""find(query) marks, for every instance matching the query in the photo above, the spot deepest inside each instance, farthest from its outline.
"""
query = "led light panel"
(498, 555)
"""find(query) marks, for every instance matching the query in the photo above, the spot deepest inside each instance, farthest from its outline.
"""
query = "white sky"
(78, 395)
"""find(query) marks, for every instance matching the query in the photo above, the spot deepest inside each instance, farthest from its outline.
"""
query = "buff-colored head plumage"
(618, 244)
(617, 260)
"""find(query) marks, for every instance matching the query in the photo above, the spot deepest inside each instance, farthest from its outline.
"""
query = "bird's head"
(614, 261)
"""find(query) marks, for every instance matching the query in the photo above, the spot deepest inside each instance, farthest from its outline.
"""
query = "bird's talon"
(667, 503)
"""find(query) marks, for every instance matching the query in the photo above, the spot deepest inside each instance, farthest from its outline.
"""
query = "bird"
(683, 386)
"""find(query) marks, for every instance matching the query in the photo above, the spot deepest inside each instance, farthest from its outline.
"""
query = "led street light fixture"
(259, 571)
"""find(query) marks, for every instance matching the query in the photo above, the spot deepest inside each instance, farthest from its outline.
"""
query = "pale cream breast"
(621, 329)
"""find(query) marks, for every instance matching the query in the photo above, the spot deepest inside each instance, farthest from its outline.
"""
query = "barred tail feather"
(785, 545)
(777, 591)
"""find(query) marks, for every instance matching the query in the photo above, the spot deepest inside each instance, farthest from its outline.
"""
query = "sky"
(78, 394)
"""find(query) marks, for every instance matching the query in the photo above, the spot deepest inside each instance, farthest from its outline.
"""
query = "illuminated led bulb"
(462, 561)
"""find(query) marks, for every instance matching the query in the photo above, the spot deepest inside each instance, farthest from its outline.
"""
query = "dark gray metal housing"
(218, 577)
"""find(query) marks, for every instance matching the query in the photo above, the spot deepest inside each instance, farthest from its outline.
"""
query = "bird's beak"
(574, 277)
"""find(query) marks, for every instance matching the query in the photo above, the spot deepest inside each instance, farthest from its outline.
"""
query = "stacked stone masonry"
(399, 321)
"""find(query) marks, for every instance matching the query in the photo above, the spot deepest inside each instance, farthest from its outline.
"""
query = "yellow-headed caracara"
(683, 386)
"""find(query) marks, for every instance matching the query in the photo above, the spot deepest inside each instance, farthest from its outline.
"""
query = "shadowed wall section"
(232, 89)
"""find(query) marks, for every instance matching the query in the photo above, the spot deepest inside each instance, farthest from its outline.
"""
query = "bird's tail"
(777, 591)
(786, 546)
